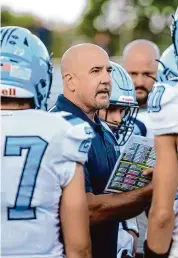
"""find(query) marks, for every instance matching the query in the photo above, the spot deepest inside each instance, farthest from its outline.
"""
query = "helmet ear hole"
(43, 83)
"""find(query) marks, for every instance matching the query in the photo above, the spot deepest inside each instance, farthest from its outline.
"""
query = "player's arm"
(119, 206)
(165, 183)
(75, 218)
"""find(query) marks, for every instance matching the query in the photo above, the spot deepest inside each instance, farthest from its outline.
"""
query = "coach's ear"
(69, 81)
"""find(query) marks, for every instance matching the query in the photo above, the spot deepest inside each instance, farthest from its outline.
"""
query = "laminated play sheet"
(137, 155)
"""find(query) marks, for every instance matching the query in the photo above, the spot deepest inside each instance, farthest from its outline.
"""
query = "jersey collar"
(66, 105)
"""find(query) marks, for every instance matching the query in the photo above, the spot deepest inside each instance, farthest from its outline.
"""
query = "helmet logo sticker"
(20, 72)
(126, 98)
(5, 67)
(8, 92)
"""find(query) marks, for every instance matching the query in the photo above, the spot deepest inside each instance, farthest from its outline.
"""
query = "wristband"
(151, 254)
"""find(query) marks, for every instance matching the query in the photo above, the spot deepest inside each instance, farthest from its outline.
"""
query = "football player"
(122, 111)
(120, 117)
(163, 220)
(42, 185)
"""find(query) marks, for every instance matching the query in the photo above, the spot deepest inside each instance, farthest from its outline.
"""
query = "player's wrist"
(148, 253)
(133, 232)
(147, 191)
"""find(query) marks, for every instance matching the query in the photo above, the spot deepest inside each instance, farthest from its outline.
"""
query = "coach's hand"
(148, 172)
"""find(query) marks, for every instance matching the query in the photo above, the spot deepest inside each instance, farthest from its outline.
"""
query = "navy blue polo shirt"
(102, 158)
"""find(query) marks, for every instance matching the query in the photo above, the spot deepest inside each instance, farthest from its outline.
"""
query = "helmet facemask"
(123, 96)
(126, 126)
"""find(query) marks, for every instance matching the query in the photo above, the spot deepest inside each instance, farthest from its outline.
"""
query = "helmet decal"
(25, 65)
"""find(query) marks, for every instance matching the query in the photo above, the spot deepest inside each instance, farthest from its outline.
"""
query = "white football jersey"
(144, 118)
(39, 151)
(163, 106)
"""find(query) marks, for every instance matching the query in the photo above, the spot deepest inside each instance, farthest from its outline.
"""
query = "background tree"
(126, 20)
(109, 23)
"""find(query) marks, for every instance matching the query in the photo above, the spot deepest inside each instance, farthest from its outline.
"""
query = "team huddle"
(55, 163)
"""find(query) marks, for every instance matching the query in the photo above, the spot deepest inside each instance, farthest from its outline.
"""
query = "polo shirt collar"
(66, 105)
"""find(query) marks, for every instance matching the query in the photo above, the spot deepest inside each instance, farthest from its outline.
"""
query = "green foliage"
(111, 23)
(148, 15)
(9, 19)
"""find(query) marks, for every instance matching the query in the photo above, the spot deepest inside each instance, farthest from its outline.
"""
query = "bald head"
(141, 47)
(139, 59)
(86, 72)
(76, 56)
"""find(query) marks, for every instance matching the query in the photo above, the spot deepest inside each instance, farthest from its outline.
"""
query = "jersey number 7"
(35, 147)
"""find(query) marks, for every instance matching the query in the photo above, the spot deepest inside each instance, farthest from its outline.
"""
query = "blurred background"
(108, 23)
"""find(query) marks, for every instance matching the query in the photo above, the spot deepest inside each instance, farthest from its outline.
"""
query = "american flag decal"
(5, 67)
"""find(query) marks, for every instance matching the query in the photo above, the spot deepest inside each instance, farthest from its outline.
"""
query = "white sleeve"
(67, 171)
(77, 142)
(69, 144)
(163, 106)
